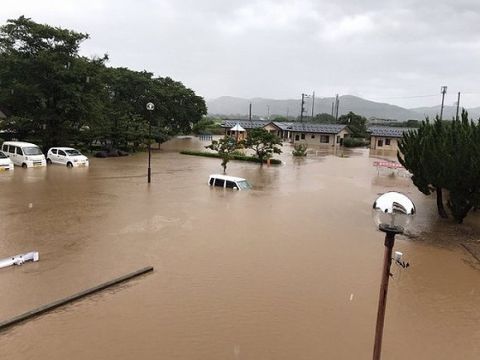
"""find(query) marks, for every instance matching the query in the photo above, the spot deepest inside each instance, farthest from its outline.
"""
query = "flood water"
(288, 270)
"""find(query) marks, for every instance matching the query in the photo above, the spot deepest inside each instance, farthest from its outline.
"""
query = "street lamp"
(150, 108)
(392, 213)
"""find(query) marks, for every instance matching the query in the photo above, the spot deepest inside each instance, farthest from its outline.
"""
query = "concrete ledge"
(53, 305)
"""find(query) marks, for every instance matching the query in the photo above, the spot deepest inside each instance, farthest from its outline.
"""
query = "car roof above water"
(62, 148)
(226, 177)
(19, 143)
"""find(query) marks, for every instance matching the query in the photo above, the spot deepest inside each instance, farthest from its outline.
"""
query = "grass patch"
(234, 157)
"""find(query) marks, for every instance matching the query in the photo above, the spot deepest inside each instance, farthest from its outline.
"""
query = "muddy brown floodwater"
(289, 270)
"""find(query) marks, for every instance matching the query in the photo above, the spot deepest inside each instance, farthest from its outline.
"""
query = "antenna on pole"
(250, 112)
(313, 104)
(337, 104)
(458, 105)
(443, 91)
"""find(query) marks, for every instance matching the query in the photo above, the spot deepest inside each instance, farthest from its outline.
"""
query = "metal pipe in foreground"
(45, 308)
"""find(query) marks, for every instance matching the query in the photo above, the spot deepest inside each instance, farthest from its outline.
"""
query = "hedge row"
(234, 157)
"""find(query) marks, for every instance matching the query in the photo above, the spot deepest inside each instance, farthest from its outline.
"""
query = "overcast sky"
(399, 52)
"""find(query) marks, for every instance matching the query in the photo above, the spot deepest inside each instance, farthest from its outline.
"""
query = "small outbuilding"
(238, 132)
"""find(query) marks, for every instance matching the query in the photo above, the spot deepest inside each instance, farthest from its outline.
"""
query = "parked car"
(24, 154)
(5, 162)
(229, 182)
(66, 156)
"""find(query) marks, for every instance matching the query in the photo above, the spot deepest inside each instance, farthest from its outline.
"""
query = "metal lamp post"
(150, 108)
(392, 213)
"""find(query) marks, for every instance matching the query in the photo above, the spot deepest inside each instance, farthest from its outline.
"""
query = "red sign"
(388, 164)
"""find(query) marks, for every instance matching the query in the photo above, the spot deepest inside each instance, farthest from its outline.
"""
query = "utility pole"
(332, 108)
(337, 104)
(443, 91)
(150, 108)
(458, 105)
(313, 104)
(268, 112)
(250, 112)
(302, 108)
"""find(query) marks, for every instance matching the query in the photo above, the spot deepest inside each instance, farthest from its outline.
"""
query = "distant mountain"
(234, 106)
(227, 105)
(449, 112)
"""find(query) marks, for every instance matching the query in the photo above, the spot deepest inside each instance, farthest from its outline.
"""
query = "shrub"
(354, 142)
(299, 150)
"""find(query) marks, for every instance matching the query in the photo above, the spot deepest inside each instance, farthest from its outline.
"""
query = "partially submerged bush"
(299, 150)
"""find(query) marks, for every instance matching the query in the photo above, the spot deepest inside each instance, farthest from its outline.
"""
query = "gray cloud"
(381, 50)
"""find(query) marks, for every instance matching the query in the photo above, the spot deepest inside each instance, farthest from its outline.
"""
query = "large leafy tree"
(263, 143)
(45, 82)
(58, 97)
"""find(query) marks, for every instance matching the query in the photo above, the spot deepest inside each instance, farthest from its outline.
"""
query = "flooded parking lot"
(289, 270)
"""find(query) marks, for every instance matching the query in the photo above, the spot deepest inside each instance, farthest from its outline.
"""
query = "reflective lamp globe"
(393, 212)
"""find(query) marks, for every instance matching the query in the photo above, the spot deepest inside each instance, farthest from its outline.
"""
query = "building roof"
(288, 126)
(238, 128)
(314, 128)
(246, 124)
(388, 131)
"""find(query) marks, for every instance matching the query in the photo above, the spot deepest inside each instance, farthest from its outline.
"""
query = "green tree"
(445, 155)
(225, 147)
(263, 143)
(58, 97)
(356, 123)
(324, 118)
(45, 80)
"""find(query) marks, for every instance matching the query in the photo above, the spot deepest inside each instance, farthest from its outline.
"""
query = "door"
(61, 157)
(12, 153)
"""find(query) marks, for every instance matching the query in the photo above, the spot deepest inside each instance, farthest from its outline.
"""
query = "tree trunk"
(440, 207)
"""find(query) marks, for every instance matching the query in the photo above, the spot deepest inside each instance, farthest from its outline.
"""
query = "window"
(61, 153)
(4, 147)
(230, 184)
(303, 136)
(19, 151)
(11, 149)
(313, 136)
(32, 150)
(219, 182)
(338, 139)
(324, 139)
(54, 151)
(210, 182)
(380, 143)
(297, 137)
(387, 141)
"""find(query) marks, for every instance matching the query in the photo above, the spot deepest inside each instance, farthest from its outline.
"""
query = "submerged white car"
(5, 162)
(67, 156)
(228, 182)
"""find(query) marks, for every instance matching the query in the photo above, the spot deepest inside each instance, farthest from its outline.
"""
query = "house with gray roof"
(312, 133)
(296, 132)
(386, 137)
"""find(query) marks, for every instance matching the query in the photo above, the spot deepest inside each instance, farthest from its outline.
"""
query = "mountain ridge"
(264, 107)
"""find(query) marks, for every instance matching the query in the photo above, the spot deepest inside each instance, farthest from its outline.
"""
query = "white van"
(24, 154)
(229, 182)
